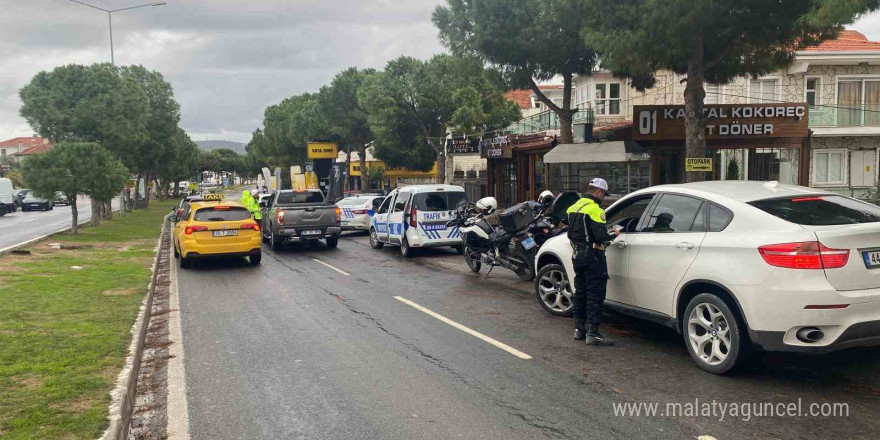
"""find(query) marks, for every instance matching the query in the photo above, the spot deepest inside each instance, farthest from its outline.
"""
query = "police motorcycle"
(508, 244)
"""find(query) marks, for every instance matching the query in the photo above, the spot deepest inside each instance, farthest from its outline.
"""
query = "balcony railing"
(546, 121)
(845, 116)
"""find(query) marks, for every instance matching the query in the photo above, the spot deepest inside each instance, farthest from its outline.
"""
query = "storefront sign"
(496, 148)
(696, 164)
(726, 121)
(322, 150)
(463, 146)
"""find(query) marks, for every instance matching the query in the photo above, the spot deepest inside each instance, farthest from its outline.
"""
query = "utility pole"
(110, 19)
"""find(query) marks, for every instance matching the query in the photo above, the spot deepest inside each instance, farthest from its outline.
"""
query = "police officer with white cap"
(589, 236)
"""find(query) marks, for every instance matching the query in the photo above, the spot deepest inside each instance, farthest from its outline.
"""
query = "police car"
(357, 212)
(416, 216)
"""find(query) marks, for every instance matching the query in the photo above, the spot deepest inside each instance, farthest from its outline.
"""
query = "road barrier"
(124, 396)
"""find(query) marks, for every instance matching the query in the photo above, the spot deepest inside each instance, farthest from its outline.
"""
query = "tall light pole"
(110, 19)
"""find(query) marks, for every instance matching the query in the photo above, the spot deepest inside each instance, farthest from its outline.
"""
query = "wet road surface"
(299, 348)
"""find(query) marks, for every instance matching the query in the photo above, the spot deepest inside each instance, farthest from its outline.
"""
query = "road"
(314, 343)
(19, 227)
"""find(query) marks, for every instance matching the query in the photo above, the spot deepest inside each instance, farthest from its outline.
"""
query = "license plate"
(229, 233)
(528, 243)
(434, 227)
(872, 259)
(312, 232)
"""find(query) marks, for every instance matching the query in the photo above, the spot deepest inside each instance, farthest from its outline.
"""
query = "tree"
(14, 175)
(413, 104)
(75, 168)
(529, 40)
(346, 118)
(709, 41)
(182, 161)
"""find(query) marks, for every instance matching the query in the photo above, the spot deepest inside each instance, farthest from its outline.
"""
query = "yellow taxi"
(215, 227)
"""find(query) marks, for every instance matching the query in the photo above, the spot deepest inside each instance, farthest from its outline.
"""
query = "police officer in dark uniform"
(589, 236)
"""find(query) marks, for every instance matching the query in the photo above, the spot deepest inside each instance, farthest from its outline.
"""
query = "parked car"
(357, 211)
(300, 215)
(734, 265)
(19, 196)
(8, 200)
(60, 199)
(32, 202)
(416, 217)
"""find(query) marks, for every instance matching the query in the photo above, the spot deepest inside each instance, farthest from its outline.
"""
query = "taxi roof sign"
(213, 196)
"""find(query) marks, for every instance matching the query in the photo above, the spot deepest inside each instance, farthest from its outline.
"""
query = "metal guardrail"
(548, 120)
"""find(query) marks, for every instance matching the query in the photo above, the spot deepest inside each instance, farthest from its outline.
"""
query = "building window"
(763, 91)
(813, 92)
(608, 99)
(829, 167)
(858, 102)
(713, 94)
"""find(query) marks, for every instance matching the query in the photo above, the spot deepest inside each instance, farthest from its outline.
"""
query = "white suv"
(733, 264)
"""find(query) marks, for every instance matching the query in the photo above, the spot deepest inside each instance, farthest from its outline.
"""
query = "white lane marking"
(178, 408)
(331, 267)
(471, 332)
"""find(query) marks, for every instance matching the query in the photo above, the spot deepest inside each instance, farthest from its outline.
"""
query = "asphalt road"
(296, 349)
(18, 227)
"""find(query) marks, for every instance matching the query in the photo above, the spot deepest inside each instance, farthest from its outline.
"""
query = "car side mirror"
(376, 203)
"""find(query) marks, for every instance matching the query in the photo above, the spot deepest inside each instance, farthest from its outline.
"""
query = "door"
(666, 244)
(396, 227)
(380, 219)
(627, 215)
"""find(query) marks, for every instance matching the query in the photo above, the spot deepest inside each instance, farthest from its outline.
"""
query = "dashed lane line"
(331, 267)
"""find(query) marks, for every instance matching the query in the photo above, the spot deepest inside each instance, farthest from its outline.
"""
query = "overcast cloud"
(226, 59)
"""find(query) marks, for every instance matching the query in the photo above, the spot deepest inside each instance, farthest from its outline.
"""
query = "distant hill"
(238, 147)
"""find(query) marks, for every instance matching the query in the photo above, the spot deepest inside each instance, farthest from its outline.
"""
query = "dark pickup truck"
(300, 215)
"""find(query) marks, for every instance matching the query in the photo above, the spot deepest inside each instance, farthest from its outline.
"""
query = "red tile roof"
(848, 41)
(522, 98)
(24, 141)
(612, 126)
(36, 149)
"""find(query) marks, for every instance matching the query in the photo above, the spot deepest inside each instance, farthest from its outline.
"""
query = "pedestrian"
(251, 204)
(589, 236)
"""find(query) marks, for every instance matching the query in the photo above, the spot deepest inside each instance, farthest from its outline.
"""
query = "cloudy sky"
(226, 59)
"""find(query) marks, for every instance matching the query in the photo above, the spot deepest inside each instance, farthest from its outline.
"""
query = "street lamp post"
(110, 19)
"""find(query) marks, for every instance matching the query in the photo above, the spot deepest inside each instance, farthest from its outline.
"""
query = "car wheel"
(23, 209)
(459, 248)
(255, 259)
(263, 237)
(374, 240)
(713, 334)
(405, 250)
(185, 263)
(473, 264)
(275, 242)
(554, 291)
(332, 242)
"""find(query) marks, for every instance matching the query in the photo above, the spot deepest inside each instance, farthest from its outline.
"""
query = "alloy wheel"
(709, 333)
(555, 291)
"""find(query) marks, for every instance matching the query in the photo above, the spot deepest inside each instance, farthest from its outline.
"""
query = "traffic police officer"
(589, 236)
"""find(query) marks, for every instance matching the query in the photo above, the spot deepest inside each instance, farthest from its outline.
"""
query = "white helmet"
(599, 183)
(487, 205)
(546, 197)
(254, 192)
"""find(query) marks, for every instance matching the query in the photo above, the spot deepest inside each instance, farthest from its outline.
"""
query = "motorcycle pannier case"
(516, 218)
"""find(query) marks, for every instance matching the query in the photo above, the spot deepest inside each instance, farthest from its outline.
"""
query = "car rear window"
(221, 214)
(288, 198)
(820, 210)
(354, 201)
(438, 201)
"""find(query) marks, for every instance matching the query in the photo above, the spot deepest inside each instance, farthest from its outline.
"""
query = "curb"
(124, 395)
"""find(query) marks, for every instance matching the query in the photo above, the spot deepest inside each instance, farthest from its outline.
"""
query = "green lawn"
(64, 333)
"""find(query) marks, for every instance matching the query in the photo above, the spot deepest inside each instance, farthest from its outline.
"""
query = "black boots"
(593, 337)
(580, 333)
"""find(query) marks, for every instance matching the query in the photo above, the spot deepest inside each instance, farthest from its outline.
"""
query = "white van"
(415, 217)
(6, 198)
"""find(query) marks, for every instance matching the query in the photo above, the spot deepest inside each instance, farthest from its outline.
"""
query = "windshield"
(354, 201)
(820, 210)
(288, 198)
(221, 214)
(438, 201)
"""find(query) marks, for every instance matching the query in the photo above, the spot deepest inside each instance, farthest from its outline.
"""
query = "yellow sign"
(697, 164)
(213, 196)
(322, 150)
(355, 170)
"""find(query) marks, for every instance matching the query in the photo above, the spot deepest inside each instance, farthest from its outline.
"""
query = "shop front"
(625, 165)
(515, 167)
(744, 142)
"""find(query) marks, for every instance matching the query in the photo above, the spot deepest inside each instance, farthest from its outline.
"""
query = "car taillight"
(358, 211)
(413, 217)
(252, 226)
(338, 215)
(804, 255)
(190, 229)
(279, 217)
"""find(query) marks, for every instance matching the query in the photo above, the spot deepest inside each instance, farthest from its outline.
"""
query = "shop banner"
(725, 121)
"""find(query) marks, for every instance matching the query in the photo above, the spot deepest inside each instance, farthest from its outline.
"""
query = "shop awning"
(614, 151)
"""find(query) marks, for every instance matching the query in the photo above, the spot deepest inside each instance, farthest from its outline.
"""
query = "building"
(393, 177)
(15, 149)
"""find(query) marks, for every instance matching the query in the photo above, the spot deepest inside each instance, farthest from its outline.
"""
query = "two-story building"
(839, 80)
(13, 150)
